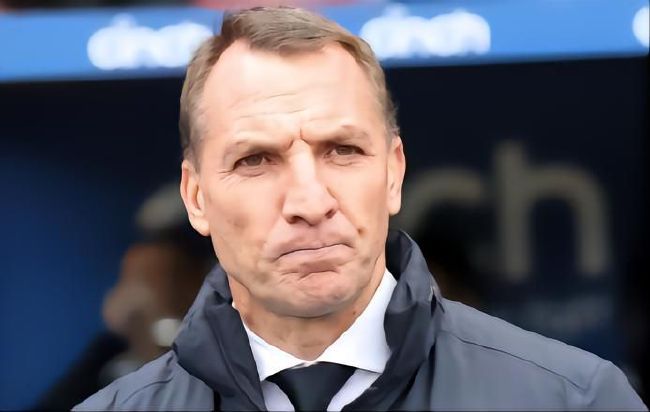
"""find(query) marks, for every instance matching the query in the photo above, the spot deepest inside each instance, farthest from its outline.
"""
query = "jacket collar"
(409, 322)
(212, 344)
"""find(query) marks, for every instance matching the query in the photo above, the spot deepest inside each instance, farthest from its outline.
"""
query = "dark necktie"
(311, 388)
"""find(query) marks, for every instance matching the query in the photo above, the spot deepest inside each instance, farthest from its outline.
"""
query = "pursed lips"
(309, 249)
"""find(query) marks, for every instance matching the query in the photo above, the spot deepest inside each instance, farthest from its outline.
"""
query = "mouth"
(308, 260)
(311, 251)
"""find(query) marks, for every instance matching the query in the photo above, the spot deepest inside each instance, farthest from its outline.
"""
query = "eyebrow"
(249, 143)
(344, 132)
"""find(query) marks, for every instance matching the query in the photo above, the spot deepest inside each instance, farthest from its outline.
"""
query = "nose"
(307, 198)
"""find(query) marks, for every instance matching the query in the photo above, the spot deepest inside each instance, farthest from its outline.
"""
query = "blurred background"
(525, 125)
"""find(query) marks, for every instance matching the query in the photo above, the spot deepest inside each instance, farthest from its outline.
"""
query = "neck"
(304, 338)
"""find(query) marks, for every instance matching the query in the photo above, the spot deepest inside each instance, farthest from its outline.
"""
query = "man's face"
(297, 178)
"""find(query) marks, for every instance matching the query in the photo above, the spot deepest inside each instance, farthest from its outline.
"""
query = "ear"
(396, 169)
(193, 198)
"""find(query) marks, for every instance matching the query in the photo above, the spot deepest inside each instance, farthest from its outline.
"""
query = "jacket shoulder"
(484, 331)
(161, 384)
(507, 355)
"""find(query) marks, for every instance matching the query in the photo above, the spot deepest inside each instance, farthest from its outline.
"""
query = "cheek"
(227, 212)
(362, 197)
(240, 217)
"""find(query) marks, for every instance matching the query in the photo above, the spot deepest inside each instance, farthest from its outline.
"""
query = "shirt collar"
(362, 346)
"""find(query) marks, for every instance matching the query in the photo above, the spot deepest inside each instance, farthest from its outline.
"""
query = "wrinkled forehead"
(247, 83)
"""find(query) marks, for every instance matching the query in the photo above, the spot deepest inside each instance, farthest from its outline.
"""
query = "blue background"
(78, 157)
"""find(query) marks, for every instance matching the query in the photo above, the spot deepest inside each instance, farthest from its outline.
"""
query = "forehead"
(251, 87)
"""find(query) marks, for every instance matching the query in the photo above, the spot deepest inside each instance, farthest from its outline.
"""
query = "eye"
(251, 161)
(346, 150)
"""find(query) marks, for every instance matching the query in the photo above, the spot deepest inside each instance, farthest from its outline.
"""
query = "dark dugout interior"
(79, 157)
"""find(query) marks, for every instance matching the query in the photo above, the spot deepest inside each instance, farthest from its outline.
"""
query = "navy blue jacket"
(445, 356)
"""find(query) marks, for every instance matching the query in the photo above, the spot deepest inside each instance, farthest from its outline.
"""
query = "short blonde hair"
(282, 30)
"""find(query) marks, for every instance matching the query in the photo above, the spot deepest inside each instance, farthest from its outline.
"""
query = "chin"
(329, 299)
(316, 309)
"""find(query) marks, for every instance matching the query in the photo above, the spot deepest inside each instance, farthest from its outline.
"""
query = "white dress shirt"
(363, 346)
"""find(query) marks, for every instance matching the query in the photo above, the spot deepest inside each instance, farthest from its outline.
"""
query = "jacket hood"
(212, 344)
